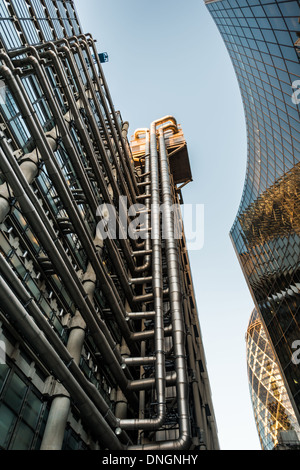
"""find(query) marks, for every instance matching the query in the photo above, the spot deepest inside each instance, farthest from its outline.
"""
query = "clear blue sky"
(167, 57)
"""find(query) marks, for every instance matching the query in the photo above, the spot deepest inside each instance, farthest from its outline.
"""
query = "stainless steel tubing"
(140, 254)
(97, 170)
(51, 358)
(108, 286)
(63, 191)
(147, 264)
(140, 315)
(91, 42)
(157, 284)
(148, 334)
(127, 186)
(178, 333)
(60, 121)
(148, 384)
(176, 306)
(140, 280)
(91, 91)
(46, 234)
(10, 277)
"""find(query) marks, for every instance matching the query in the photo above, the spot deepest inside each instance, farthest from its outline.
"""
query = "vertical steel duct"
(157, 285)
(175, 292)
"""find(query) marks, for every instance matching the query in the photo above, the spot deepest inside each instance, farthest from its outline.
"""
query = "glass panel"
(7, 421)
(15, 393)
(32, 410)
(4, 369)
(22, 438)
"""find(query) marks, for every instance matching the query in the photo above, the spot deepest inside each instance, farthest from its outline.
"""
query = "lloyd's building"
(100, 340)
(262, 38)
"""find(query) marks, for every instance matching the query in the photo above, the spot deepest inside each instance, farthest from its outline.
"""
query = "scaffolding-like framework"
(108, 320)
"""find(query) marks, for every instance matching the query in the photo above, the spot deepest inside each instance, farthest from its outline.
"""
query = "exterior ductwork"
(109, 322)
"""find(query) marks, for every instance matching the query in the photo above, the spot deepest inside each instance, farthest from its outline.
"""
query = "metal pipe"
(139, 361)
(140, 254)
(65, 356)
(60, 260)
(91, 90)
(60, 121)
(157, 284)
(148, 334)
(91, 42)
(182, 385)
(47, 353)
(62, 189)
(140, 280)
(16, 91)
(82, 92)
(148, 384)
(140, 315)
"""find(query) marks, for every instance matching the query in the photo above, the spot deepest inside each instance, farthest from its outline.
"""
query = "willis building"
(262, 38)
(100, 341)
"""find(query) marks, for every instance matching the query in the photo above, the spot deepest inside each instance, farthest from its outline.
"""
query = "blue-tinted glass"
(272, 10)
(289, 53)
(277, 23)
(290, 8)
(258, 12)
(283, 38)
(263, 23)
(269, 35)
(274, 50)
(247, 13)
(292, 23)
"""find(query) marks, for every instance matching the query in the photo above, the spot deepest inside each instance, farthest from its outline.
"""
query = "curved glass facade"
(272, 407)
(261, 38)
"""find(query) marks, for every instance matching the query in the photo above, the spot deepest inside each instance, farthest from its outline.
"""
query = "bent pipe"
(34, 62)
(61, 262)
(81, 174)
(34, 172)
(17, 192)
(91, 42)
(131, 179)
(66, 50)
(131, 194)
(55, 342)
(53, 57)
(64, 193)
(60, 120)
(51, 358)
